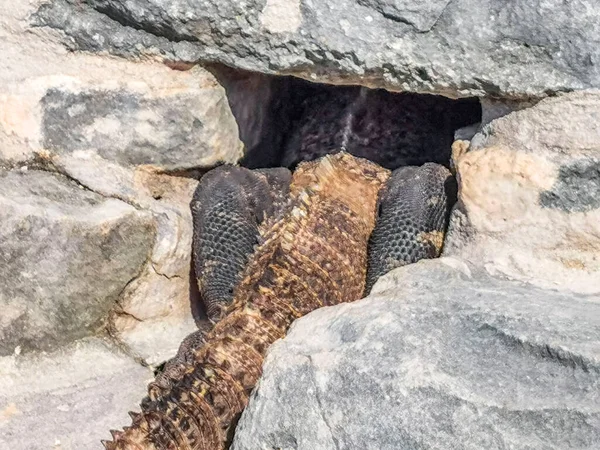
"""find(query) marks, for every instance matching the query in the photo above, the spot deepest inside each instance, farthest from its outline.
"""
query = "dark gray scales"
(231, 202)
(228, 206)
(414, 210)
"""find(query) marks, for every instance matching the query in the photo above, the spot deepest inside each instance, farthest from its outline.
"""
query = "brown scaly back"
(314, 255)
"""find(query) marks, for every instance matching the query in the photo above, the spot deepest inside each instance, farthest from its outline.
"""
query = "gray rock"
(458, 48)
(529, 195)
(439, 356)
(173, 124)
(123, 130)
(182, 128)
(156, 309)
(68, 399)
(66, 255)
(128, 112)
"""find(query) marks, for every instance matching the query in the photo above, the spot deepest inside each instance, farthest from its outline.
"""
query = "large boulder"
(439, 356)
(502, 48)
(66, 256)
(529, 197)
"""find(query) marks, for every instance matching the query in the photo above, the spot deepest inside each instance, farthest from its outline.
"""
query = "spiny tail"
(201, 409)
(314, 256)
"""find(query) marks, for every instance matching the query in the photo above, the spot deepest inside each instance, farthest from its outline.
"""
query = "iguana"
(319, 247)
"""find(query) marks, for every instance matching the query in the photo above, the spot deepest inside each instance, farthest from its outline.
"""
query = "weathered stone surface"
(129, 113)
(68, 399)
(529, 189)
(516, 48)
(118, 128)
(174, 124)
(439, 356)
(177, 127)
(66, 255)
(156, 310)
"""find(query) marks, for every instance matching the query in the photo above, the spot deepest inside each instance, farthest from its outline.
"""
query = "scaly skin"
(314, 255)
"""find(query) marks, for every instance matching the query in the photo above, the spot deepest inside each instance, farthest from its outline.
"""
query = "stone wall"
(97, 163)
(107, 120)
(512, 48)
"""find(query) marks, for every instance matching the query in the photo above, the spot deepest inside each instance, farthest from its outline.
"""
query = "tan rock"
(66, 254)
(529, 198)
(128, 112)
(69, 398)
(168, 119)
(281, 16)
(159, 299)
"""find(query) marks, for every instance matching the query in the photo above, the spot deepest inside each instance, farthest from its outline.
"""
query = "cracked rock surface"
(503, 48)
(107, 245)
(66, 255)
(440, 355)
(529, 198)
(95, 228)
(67, 399)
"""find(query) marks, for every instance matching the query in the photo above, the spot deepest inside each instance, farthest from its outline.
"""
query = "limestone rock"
(174, 123)
(157, 309)
(123, 131)
(129, 113)
(66, 256)
(529, 195)
(458, 48)
(439, 356)
(67, 399)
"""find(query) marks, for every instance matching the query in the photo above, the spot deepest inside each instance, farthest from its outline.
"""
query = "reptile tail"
(313, 256)
(199, 410)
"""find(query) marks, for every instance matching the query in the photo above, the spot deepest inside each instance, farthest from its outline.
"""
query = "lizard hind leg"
(414, 209)
(228, 207)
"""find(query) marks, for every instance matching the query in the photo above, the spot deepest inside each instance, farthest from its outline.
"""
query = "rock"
(174, 127)
(66, 256)
(131, 134)
(439, 356)
(456, 48)
(129, 113)
(68, 399)
(158, 309)
(529, 195)
(174, 124)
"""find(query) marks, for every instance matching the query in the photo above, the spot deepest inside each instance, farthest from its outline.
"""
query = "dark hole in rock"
(284, 120)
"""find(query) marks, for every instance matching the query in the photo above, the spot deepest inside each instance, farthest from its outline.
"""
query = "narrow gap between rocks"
(283, 120)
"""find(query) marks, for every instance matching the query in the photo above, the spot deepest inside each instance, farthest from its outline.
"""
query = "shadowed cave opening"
(283, 120)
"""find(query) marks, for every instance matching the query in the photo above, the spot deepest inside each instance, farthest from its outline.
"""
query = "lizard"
(320, 247)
